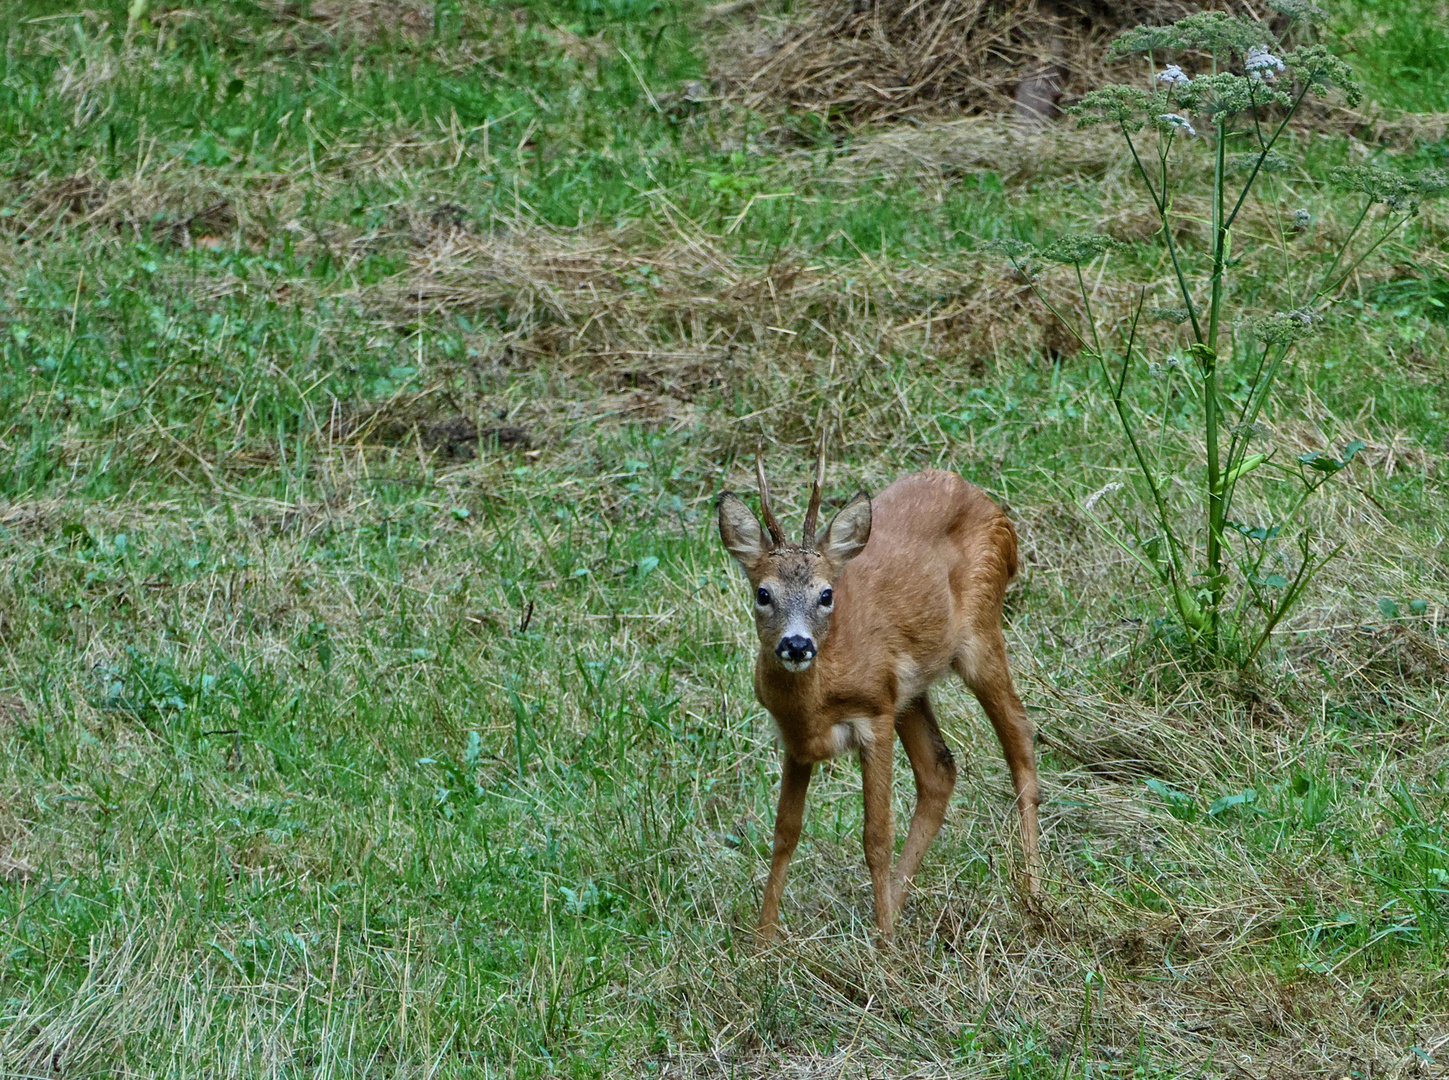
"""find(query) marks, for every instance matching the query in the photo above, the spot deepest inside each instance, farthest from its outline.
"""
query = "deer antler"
(812, 512)
(777, 534)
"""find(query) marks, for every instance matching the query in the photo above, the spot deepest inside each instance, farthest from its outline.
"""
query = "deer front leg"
(880, 832)
(793, 783)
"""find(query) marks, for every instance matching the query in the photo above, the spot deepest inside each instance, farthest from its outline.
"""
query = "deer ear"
(740, 530)
(846, 535)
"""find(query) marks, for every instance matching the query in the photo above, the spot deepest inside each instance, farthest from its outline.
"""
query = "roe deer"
(855, 625)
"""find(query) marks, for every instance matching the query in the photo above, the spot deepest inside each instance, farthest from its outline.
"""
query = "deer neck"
(792, 697)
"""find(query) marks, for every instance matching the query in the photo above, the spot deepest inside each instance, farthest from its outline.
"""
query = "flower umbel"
(1318, 69)
(1170, 121)
(1285, 327)
(1011, 248)
(1268, 162)
(1298, 9)
(1262, 64)
(1208, 31)
(1226, 93)
(1078, 249)
(1397, 192)
(1173, 76)
(1115, 103)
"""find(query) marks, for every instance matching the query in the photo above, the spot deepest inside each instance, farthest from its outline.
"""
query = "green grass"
(336, 744)
(1402, 50)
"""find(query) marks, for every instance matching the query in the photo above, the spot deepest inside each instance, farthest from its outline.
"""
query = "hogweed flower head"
(1262, 64)
(1268, 162)
(1285, 327)
(1298, 9)
(1011, 247)
(1114, 104)
(1226, 93)
(1394, 190)
(1318, 70)
(1080, 248)
(1302, 218)
(1170, 121)
(1173, 76)
(1208, 31)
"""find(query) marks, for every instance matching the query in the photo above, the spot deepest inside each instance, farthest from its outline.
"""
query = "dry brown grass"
(892, 60)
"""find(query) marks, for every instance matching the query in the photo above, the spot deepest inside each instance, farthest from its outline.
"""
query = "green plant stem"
(1161, 205)
(1087, 307)
(1164, 520)
(1389, 230)
(1252, 405)
(1308, 489)
(1263, 153)
(1071, 329)
(1307, 570)
(1343, 249)
(1216, 504)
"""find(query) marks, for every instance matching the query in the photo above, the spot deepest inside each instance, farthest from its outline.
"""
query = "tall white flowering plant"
(1226, 80)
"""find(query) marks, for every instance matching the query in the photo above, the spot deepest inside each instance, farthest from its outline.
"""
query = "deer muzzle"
(795, 652)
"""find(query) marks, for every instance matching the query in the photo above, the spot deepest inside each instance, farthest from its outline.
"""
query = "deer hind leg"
(935, 771)
(984, 669)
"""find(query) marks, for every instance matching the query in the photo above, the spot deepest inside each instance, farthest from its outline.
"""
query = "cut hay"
(883, 60)
(982, 143)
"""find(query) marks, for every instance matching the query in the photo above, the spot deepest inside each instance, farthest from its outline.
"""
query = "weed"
(1217, 612)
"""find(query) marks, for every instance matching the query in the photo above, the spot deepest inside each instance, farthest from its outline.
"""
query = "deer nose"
(795, 649)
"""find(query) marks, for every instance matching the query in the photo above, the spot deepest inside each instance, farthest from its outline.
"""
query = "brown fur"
(923, 597)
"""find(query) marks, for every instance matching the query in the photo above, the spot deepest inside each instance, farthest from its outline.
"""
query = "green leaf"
(1230, 802)
(1255, 532)
(1388, 608)
(1191, 610)
(1179, 804)
(1241, 469)
(1418, 607)
(1321, 462)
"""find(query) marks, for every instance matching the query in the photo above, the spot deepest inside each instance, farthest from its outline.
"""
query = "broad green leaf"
(1229, 802)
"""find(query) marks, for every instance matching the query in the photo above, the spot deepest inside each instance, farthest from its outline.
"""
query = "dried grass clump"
(660, 327)
(671, 307)
(973, 144)
(860, 60)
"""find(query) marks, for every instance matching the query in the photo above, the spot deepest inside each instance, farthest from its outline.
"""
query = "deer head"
(793, 585)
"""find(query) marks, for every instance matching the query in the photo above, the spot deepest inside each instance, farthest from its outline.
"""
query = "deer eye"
(827, 598)
(762, 597)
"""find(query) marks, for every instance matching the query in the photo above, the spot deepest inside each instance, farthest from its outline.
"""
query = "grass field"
(374, 692)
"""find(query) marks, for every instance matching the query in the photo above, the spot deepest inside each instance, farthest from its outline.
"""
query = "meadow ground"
(374, 694)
